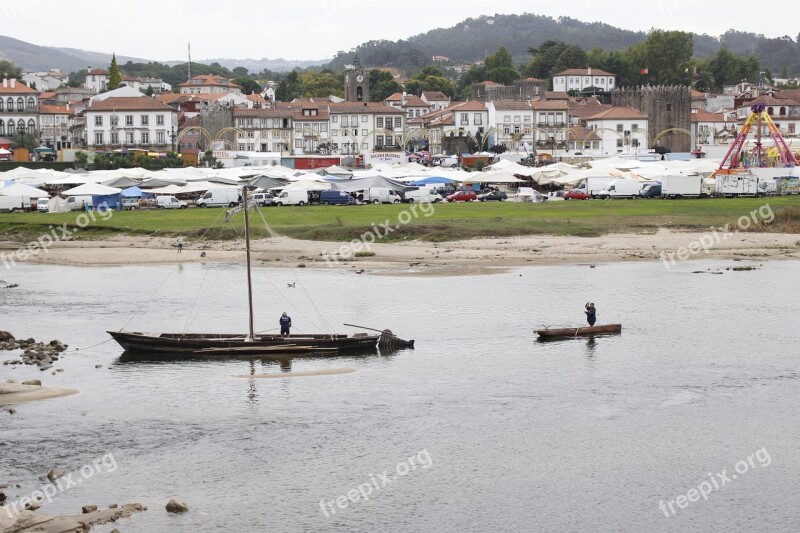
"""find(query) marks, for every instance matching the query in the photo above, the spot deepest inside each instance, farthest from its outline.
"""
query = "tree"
(149, 91)
(500, 67)
(81, 160)
(114, 74)
(24, 140)
(9, 70)
(240, 72)
(282, 91)
(382, 85)
(249, 85)
(666, 55)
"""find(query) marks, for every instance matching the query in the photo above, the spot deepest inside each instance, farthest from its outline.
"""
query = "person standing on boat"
(591, 313)
(286, 323)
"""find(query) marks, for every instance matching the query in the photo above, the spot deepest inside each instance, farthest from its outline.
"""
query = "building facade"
(621, 130)
(130, 123)
(669, 112)
(209, 84)
(55, 126)
(581, 79)
(19, 109)
(513, 124)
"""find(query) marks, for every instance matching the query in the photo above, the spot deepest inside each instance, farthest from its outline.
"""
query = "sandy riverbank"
(424, 258)
(12, 393)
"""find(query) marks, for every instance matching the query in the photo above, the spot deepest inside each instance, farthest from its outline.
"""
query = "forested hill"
(474, 38)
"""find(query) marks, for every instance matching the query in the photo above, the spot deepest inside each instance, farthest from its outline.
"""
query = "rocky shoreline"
(32, 521)
(34, 353)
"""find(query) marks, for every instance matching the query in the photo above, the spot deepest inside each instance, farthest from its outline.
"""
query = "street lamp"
(172, 136)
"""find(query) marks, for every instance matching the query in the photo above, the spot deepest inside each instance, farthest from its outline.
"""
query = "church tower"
(356, 83)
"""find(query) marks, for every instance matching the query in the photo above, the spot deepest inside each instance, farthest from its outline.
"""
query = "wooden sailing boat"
(222, 344)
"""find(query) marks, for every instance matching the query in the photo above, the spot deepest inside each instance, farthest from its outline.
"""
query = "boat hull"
(588, 331)
(236, 344)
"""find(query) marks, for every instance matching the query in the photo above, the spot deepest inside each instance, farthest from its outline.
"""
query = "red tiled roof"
(130, 103)
(55, 110)
(584, 72)
(550, 105)
(19, 87)
(553, 95)
(366, 107)
(97, 72)
(579, 133)
(435, 96)
(415, 101)
(701, 115)
(619, 113)
(510, 105)
(396, 97)
(262, 113)
(471, 105)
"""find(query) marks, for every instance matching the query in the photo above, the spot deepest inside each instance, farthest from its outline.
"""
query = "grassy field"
(446, 222)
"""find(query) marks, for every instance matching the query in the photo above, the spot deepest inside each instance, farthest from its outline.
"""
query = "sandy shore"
(11, 393)
(423, 258)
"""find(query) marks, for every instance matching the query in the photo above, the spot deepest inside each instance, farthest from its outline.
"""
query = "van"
(12, 204)
(170, 202)
(335, 198)
(382, 195)
(219, 198)
(446, 161)
(651, 190)
(263, 199)
(424, 195)
(42, 205)
(621, 188)
(291, 197)
(79, 203)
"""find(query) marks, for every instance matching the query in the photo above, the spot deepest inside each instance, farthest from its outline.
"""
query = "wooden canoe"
(588, 331)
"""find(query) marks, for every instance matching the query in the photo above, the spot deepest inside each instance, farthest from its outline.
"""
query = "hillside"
(259, 65)
(32, 57)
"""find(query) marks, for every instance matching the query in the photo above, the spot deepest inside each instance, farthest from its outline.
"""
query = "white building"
(512, 123)
(44, 81)
(357, 127)
(264, 130)
(19, 109)
(55, 122)
(130, 122)
(209, 84)
(621, 130)
(551, 123)
(436, 100)
(579, 79)
(713, 128)
(96, 79)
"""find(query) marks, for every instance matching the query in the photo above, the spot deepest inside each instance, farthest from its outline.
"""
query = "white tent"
(169, 189)
(18, 189)
(91, 189)
(492, 177)
(307, 185)
(202, 186)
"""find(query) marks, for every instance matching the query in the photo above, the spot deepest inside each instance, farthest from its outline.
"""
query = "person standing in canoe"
(286, 323)
(591, 313)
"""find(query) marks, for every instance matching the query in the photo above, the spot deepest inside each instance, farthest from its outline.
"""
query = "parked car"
(447, 161)
(493, 196)
(170, 202)
(264, 199)
(129, 204)
(462, 196)
(576, 194)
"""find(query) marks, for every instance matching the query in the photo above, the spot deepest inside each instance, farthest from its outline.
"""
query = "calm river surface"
(507, 434)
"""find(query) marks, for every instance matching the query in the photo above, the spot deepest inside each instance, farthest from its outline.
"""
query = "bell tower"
(356, 83)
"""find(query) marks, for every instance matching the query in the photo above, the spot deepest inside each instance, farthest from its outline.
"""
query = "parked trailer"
(740, 185)
(11, 204)
(679, 186)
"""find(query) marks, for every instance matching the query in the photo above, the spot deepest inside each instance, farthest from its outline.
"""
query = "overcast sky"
(160, 30)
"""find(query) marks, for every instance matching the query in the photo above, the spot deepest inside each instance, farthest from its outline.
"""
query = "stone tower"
(356, 83)
(668, 108)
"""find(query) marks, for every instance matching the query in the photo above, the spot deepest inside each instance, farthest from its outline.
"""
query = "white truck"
(594, 185)
(422, 196)
(79, 203)
(382, 195)
(170, 202)
(744, 184)
(621, 188)
(682, 186)
(11, 204)
(291, 197)
(219, 198)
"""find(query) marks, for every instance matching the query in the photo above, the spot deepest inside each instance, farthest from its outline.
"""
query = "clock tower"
(356, 83)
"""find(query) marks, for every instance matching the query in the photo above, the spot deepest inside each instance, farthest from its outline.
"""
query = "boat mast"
(245, 203)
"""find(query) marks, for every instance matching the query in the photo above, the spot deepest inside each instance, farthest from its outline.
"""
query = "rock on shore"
(33, 353)
(30, 521)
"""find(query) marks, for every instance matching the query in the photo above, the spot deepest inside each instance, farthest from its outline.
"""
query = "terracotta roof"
(697, 95)
(46, 95)
(130, 103)
(584, 72)
(550, 105)
(791, 94)
(321, 116)
(97, 72)
(487, 83)
(533, 79)
(584, 112)
(262, 113)
(19, 87)
(434, 96)
(579, 133)
(171, 98)
(619, 113)
(367, 107)
(510, 105)
(415, 101)
(770, 101)
(396, 97)
(55, 110)
(472, 105)
(701, 115)
(256, 98)
(208, 79)
(553, 95)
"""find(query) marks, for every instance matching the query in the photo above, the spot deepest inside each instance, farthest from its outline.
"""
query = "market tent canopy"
(431, 181)
(43, 149)
(492, 177)
(121, 181)
(18, 189)
(267, 182)
(307, 185)
(169, 189)
(370, 183)
(92, 189)
(133, 192)
(3, 151)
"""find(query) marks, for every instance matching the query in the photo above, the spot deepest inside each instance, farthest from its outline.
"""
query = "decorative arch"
(21, 126)
(31, 126)
(679, 130)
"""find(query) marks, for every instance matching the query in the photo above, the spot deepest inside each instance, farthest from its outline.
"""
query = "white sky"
(311, 29)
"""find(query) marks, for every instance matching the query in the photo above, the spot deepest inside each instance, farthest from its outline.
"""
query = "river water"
(505, 433)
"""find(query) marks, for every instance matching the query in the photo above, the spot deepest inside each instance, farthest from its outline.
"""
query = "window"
(364, 146)
(241, 147)
(527, 119)
(129, 120)
(464, 119)
(10, 103)
(346, 121)
(145, 137)
(378, 122)
(114, 120)
(669, 107)
(31, 102)
(98, 120)
(620, 128)
(517, 119)
(98, 138)
(114, 137)
(364, 133)
(398, 122)
(2, 128)
(250, 135)
(1, 104)
(20, 104)
(12, 129)
(478, 120)
(791, 127)
(129, 138)
(634, 127)
(159, 120)
(21, 126)
(364, 119)
(619, 143)
(298, 143)
(354, 120)
(507, 118)
(31, 126)
(323, 127)
(507, 130)
(379, 141)
(145, 120)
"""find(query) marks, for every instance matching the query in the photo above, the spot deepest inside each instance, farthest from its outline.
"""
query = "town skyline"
(288, 33)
